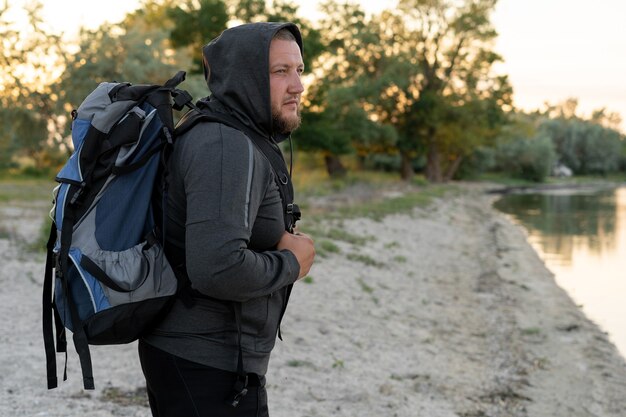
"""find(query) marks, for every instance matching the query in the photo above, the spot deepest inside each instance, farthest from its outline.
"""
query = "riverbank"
(443, 311)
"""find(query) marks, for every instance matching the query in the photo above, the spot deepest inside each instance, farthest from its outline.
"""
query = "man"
(228, 222)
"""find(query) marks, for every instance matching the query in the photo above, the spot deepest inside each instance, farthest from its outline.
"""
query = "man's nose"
(295, 86)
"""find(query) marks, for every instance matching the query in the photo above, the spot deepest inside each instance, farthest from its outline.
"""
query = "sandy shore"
(446, 311)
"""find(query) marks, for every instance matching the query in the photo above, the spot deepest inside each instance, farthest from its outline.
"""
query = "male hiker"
(229, 217)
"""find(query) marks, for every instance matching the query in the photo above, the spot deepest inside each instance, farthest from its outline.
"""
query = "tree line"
(412, 88)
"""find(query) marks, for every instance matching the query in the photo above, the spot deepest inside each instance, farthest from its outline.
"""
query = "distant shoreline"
(549, 188)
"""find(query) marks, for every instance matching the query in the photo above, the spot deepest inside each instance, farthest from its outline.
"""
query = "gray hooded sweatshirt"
(225, 216)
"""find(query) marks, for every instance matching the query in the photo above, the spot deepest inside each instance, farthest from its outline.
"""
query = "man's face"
(286, 66)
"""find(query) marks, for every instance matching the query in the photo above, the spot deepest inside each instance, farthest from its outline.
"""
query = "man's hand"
(300, 245)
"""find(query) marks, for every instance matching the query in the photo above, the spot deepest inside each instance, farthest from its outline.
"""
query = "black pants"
(180, 388)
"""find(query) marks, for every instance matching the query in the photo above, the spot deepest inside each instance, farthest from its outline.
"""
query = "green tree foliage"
(464, 129)
(584, 146)
(423, 71)
(587, 147)
(337, 96)
(341, 128)
(196, 22)
(29, 58)
(527, 158)
(112, 53)
(167, 17)
(247, 10)
(451, 44)
(189, 24)
(608, 119)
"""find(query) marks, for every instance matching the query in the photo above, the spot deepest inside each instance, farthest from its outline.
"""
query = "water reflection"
(582, 239)
(560, 222)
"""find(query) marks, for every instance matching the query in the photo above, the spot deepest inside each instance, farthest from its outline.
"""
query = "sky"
(552, 49)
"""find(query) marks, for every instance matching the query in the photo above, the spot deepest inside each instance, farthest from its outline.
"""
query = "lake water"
(581, 236)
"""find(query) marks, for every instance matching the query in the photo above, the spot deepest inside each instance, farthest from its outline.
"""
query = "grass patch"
(335, 234)
(365, 259)
(296, 363)
(375, 184)
(316, 182)
(325, 247)
(366, 288)
(531, 331)
(137, 397)
(338, 364)
(404, 204)
(344, 236)
(400, 259)
(22, 189)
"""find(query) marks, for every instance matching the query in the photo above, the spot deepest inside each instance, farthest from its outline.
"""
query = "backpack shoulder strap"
(269, 149)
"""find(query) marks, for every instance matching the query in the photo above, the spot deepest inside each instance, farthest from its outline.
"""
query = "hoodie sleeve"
(225, 182)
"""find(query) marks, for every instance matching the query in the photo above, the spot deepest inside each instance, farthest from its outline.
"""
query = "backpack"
(111, 278)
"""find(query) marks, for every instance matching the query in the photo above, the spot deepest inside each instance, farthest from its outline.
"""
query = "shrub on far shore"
(530, 159)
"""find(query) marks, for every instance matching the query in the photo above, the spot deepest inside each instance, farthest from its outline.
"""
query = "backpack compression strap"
(48, 335)
(79, 336)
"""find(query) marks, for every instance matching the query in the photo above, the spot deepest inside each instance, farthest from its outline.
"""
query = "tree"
(450, 43)
(29, 59)
(584, 146)
(336, 99)
(608, 119)
(196, 22)
(340, 128)
(112, 53)
(465, 128)
(190, 24)
(527, 158)
(423, 72)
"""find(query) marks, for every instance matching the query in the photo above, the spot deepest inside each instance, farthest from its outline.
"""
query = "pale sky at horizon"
(552, 49)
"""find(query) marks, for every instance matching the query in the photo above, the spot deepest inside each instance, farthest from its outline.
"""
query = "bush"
(531, 159)
(585, 147)
(482, 160)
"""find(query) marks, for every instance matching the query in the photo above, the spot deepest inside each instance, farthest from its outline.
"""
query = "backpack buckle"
(181, 99)
(294, 210)
(78, 193)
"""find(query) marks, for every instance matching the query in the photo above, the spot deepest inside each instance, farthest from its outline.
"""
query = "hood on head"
(236, 67)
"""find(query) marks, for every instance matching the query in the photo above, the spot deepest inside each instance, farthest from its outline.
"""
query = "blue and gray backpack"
(111, 280)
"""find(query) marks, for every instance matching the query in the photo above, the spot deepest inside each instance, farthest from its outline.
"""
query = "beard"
(283, 124)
